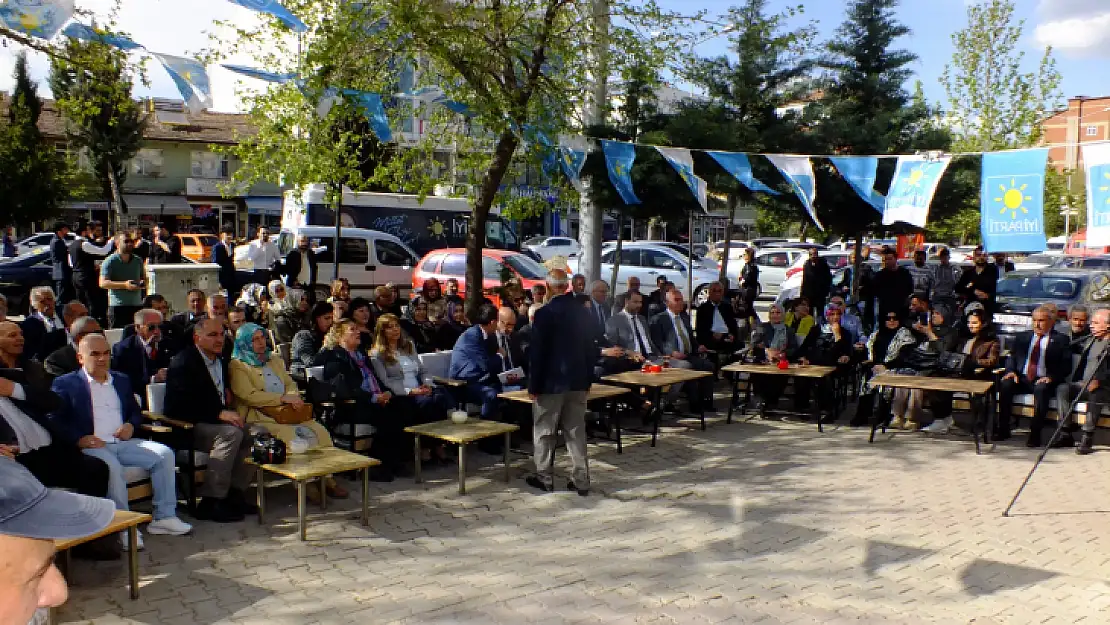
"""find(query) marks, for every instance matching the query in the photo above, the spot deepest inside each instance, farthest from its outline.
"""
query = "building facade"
(1084, 120)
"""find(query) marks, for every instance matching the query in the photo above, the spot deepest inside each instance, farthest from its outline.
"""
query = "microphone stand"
(1059, 427)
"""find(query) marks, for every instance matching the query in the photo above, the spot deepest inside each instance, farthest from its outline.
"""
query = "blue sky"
(1079, 31)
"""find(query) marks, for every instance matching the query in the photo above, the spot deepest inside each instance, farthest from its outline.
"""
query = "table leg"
(508, 443)
(615, 419)
(301, 486)
(991, 408)
(656, 412)
(416, 449)
(816, 390)
(133, 560)
(366, 496)
(975, 425)
(462, 468)
(261, 479)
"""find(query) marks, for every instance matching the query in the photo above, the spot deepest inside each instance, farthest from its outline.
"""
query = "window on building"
(1092, 131)
(147, 162)
(210, 165)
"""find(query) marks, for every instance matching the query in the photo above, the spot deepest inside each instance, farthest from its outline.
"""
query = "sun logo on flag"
(1013, 198)
(1106, 187)
(29, 21)
(915, 177)
(619, 169)
(437, 228)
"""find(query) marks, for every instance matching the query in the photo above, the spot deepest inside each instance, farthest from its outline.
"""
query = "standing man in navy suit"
(476, 360)
(562, 357)
(223, 254)
(60, 271)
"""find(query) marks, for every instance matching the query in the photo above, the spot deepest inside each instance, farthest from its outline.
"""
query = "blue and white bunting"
(259, 74)
(1096, 158)
(191, 79)
(371, 106)
(859, 173)
(1012, 201)
(683, 163)
(738, 164)
(77, 30)
(911, 191)
(572, 161)
(274, 8)
(38, 18)
(619, 157)
(327, 102)
(798, 171)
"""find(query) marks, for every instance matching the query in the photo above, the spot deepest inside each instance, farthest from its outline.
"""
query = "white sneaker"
(939, 426)
(171, 526)
(139, 540)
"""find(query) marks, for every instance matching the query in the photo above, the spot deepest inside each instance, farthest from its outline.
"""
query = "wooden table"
(316, 464)
(122, 521)
(926, 383)
(654, 383)
(461, 434)
(597, 392)
(794, 371)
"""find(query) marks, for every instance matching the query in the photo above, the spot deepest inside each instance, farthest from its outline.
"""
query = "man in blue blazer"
(223, 255)
(672, 332)
(142, 355)
(99, 415)
(476, 360)
(562, 357)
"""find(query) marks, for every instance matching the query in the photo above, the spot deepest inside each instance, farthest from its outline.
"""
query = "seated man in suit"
(1038, 362)
(508, 342)
(628, 330)
(198, 391)
(43, 330)
(671, 331)
(619, 300)
(141, 356)
(99, 415)
(196, 302)
(599, 305)
(476, 360)
(1091, 364)
(64, 359)
(716, 323)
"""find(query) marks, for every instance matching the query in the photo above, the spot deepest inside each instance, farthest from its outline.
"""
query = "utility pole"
(590, 217)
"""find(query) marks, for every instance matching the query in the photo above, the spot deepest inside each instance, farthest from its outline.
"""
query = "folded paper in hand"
(511, 377)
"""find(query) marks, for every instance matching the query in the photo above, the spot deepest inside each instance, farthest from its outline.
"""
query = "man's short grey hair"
(38, 292)
(1079, 308)
(1046, 309)
(557, 280)
(532, 312)
(140, 317)
(82, 325)
(221, 295)
(1099, 310)
(597, 283)
(67, 310)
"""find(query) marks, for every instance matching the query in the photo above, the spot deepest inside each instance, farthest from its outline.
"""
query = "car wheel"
(701, 295)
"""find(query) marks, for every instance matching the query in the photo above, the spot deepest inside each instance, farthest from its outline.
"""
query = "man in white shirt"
(43, 329)
(672, 332)
(99, 414)
(264, 255)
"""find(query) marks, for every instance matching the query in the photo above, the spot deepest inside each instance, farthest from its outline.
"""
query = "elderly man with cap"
(32, 517)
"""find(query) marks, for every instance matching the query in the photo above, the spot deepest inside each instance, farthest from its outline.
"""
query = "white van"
(367, 258)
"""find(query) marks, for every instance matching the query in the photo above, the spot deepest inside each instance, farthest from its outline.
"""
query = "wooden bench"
(122, 521)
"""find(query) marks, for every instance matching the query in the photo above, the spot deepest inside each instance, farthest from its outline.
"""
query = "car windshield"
(526, 267)
(1041, 259)
(535, 240)
(1040, 287)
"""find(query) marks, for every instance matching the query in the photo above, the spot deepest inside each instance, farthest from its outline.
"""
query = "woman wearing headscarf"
(360, 312)
(259, 382)
(448, 333)
(432, 295)
(980, 348)
(829, 345)
(420, 328)
(884, 350)
(292, 317)
(399, 368)
(799, 318)
(251, 299)
(772, 341)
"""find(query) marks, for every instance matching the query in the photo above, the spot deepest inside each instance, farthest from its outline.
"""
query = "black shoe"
(380, 474)
(1065, 441)
(582, 492)
(1034, 439)
(535, 482)
(218, 511)
(1086, 444)
(238, 499)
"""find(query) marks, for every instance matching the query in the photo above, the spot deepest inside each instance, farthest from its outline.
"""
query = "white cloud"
(180, 28)
(1079, 28)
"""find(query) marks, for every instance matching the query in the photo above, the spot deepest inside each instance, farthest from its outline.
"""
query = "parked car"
(735, 250)
(648, 261)
(702, 262)
(773, 263)
(764, 241)
(792, 283)
(20, 274)
(797, 245)
(1020, 292)
(451, 263)
(367, 258)
(37, 241)
(197, 247)
(1037, 261)
(548, 247)
(1075, 262)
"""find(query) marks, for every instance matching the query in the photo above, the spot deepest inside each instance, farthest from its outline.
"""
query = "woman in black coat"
(749, 283)
(420, 328)
(828, 346)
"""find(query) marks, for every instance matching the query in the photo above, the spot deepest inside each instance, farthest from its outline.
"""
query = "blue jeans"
(154, 457)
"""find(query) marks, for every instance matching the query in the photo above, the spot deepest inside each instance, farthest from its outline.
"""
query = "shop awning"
(157, 205)
(261, 205)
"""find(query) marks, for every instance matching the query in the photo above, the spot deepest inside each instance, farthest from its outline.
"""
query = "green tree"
(34, 179)
(92, 85)
(516, 65)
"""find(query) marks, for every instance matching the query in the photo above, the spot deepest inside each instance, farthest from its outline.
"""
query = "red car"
(451, 263)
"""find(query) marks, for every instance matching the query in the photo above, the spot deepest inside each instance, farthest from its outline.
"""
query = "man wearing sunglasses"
(141, 357)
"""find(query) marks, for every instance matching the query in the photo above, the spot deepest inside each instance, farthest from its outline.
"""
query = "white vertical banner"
(911, 191)
(798, 171)
(1096, 159)
(683, 163)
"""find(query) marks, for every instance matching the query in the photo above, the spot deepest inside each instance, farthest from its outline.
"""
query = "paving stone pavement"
(756, 522)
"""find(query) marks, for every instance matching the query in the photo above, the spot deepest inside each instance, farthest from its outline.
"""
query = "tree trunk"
(590, 218)
(476, 234)
(117, 199)
(336, 200)
(728, 236)
(617, 253)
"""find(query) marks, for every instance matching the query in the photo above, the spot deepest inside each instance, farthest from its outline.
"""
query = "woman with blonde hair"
(260, 387)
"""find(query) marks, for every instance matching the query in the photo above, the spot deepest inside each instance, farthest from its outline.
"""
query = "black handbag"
(919, 360)
(268, 449)
(954, 364)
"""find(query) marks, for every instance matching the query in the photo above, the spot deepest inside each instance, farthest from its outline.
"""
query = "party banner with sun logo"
(912, 188)
(1097, 159)
(1012, 201)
